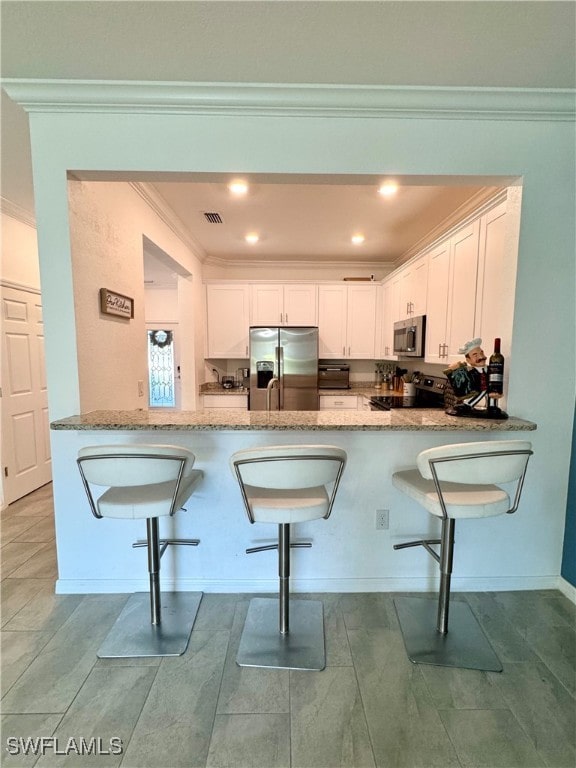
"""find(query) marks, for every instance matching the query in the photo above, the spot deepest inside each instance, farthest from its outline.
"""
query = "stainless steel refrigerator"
(284, 369)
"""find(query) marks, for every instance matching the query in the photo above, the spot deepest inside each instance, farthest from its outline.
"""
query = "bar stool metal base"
(464, 645)
(133, 635)
(302, 647)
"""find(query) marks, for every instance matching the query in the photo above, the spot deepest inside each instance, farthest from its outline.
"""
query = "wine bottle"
(496, 370)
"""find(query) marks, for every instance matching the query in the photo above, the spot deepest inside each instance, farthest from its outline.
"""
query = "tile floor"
(369, 707)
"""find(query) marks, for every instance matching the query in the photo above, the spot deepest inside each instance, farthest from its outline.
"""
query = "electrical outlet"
(140, 389)
(382, 519)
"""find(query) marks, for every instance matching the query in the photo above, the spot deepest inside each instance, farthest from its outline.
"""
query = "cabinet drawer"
(225, 401)
(337, 403)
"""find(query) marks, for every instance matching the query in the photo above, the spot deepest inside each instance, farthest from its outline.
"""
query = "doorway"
(26, 461)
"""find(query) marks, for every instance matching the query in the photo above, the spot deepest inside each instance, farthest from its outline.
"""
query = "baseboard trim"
(410, 584)
(567, 589)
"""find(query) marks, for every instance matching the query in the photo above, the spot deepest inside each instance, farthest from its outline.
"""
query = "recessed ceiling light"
(388, 189)
(238, 187)
(252, 238)
(358, 239)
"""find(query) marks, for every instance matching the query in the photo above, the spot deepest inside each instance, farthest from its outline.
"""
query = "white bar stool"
(456, 482)
(145, 482)
(286, 484)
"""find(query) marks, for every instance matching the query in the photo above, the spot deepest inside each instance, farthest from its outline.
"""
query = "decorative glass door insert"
(161, 369)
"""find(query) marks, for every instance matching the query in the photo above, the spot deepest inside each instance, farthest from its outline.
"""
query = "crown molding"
(161, 208)
(217, 261)
(15, 211)
(307, 100)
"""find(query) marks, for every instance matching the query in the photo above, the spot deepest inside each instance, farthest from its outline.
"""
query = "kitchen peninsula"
(348, 554)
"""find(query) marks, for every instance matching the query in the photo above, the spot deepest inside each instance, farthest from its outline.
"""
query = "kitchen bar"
(349, 555)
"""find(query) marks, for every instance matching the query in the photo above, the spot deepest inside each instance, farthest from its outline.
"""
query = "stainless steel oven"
(409, 337)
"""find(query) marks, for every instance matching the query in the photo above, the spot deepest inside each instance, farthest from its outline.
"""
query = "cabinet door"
(419, 286)
(267, 305)
(496, 281)
(462, 289)
(361, 331)
(335, 403)
(387, 329)
(300, 305)
(437, 303)
(332, 303)
(227, 320)
(404, 289)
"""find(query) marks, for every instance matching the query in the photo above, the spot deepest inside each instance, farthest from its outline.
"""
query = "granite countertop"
(364, 388)
(214, 388)
(419, 420)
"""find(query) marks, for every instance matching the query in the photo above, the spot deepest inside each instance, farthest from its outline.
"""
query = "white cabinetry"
(413, 285)
(347, 321)
(332, 303)
(496, 281)
(276, 304)
(225, 401)
(228, 319)
(453, 267)
(338, 403)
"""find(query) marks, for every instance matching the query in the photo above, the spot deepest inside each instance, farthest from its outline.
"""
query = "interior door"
(26, 463)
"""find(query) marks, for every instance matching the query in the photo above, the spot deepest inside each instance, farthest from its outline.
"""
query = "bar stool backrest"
(476, 463)
(285, 467)
(129, 465)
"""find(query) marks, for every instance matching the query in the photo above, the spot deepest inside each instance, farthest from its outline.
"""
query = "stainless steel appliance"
(284, 369)
(429, 394)
(336, 376)
(409, 337)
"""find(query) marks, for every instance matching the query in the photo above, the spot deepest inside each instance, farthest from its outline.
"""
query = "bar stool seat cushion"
(462, 500)
(141, 501)
(288, 505)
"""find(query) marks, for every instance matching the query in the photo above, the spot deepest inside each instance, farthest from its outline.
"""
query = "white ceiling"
(312, 218)
(469, 43)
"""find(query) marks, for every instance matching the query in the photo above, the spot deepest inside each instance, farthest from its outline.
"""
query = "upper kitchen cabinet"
(388, 315)
(347, 321)
(288, 304)
(451, 306)
(413, 289)
(496, 280)
(471, 283)
(228, 320)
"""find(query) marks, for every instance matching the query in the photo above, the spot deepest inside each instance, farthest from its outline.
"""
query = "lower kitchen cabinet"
(338, 402)
(225, 401)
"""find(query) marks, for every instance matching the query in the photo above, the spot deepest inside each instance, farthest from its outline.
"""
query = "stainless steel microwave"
(409, 337)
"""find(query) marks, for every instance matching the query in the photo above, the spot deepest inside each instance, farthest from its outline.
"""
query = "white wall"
(107, 223)
(19, 255)
(540, 150)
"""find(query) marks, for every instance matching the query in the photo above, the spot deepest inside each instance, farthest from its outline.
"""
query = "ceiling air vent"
(212, 217)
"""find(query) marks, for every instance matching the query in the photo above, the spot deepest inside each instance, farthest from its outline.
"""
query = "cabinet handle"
(286, 320)
(280, 318)
(348, 351)
(344, 351)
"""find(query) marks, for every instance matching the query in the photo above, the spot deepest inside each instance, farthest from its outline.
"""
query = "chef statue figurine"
(469, 380)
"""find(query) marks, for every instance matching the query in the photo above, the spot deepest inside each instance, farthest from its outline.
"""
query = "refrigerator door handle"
(280, 362)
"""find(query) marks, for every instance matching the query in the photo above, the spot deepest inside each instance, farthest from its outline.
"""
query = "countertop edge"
(237, 420)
